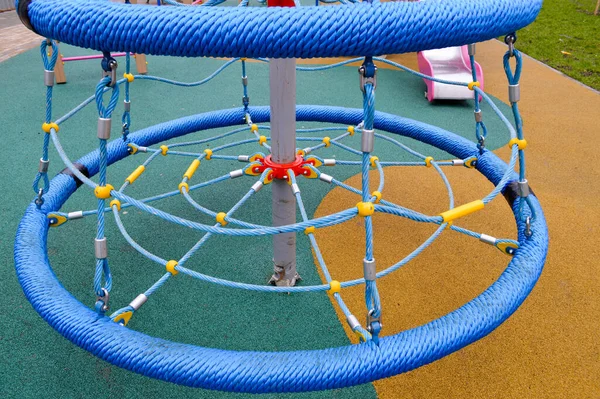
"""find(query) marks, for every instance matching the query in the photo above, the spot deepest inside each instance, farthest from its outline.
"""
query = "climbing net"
(302, 370)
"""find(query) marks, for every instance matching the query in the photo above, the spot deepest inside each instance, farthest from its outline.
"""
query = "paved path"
(15, 38)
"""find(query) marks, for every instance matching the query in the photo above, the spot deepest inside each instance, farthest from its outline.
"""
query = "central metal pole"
(282, 79)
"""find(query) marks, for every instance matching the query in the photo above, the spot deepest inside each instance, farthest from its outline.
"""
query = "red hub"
(279, 170)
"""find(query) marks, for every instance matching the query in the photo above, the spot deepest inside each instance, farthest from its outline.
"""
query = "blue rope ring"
(302, 32)
(259, 372)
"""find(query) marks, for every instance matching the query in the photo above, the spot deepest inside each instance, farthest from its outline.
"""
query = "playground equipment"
(453, 64)
(280, 34)
(59, 69)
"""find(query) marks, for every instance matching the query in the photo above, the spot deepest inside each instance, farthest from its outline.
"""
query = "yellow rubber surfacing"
(549, 348)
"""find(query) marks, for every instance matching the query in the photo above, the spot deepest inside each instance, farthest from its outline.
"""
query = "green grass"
(566, 26)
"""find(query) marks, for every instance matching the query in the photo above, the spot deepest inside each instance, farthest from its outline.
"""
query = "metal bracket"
(528, 232)
(39, 201)
(481, 144)
(510, 40)
(368, 74)
(109, 67)
(371, 319)
(104, 299)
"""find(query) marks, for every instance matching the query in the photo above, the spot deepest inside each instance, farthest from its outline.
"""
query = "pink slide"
(451, 63)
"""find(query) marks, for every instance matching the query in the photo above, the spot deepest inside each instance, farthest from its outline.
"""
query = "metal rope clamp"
(372, 319)
(368, 74)
(104, 299)
(528, 232)
(39, 201)
(481, 143)
(109, 66)
(510, 40)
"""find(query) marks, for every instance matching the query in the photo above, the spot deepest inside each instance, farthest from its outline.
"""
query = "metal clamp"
(138, 301)
(487, 239)
(481, 143)
(104, 126)
(112, 71)
(43, 167)
(367, 140)
(257, 186)
(39, 201)
(523, 188)
(514, 93)
(295, 188)
(75, 215)
(369, 270)
(478, 116)
(471, 48)
(352, 322)
(48, 78)
(510, 40)
(127, 106)
(365, 79)
(245, 80)
(326, 178)
(236, 173)
(528, 231)
(104, 299)
(372, 319)
(100, 248)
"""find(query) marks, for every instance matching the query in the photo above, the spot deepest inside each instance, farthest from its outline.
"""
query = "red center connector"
(279, 170)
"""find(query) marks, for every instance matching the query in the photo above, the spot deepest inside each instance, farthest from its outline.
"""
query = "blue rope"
(49, 64)
(374, 29)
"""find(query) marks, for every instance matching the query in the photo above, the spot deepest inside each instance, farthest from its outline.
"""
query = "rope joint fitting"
(365, 209)
(371, 320)
(102, 300)
(109, 66)
(510, 40)
(368, 74)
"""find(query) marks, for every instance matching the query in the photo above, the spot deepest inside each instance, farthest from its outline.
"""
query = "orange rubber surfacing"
(549, 348)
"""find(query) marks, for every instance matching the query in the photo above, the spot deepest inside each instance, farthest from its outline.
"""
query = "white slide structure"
(451, 63)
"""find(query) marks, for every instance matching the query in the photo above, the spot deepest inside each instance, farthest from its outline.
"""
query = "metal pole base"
(284, 245)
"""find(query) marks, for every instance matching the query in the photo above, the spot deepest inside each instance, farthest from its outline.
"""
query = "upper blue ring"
(305, 32)
(274, 371)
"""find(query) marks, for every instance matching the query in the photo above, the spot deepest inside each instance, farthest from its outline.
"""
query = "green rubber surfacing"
(35, 361)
